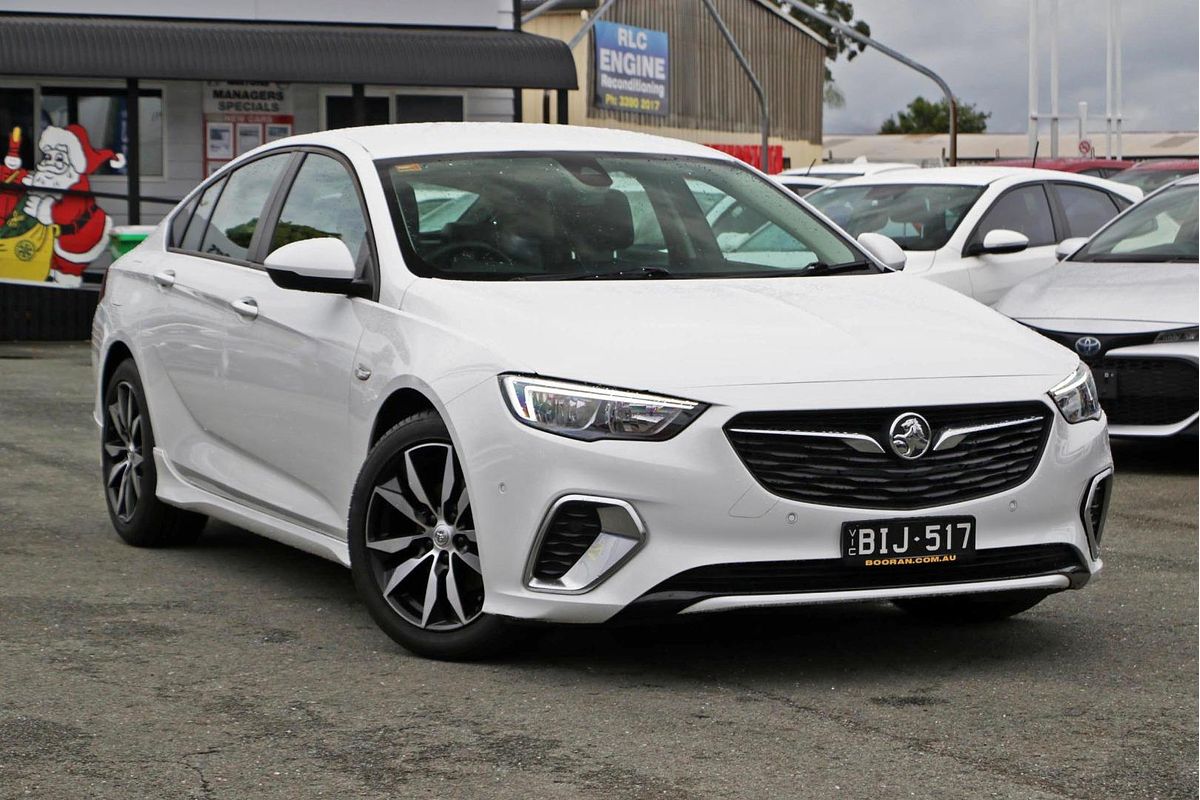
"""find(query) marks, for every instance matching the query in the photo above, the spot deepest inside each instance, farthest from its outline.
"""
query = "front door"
(1024, 209)
(290, 360)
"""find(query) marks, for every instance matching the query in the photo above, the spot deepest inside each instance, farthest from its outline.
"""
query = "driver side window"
(1024, 210)
(323, 201)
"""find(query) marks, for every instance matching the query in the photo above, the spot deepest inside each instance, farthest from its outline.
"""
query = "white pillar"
(1054, 78)
(1083, 127)
(1108, 76)
(1119, 100)
(1033, 77)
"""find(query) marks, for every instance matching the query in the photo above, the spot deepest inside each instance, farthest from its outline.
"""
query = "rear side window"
(199, 220)
(236, 215)
(1086, 209)
(1024, 210)
(323, 202)
(180, 221)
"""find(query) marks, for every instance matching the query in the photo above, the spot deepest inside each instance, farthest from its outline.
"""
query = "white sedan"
(978, 230)
(511, 372)
(1126, 302)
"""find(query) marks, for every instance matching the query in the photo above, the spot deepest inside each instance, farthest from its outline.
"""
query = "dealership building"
(113, 110)
(664, 67)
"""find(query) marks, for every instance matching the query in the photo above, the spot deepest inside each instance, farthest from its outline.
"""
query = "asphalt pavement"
(239, 668)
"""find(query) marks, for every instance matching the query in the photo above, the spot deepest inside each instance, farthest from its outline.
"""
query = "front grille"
(1149, 391)
(834, 575)
(828, 472)
(569, 534)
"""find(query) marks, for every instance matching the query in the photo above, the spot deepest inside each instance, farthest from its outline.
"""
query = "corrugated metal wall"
(708, 88)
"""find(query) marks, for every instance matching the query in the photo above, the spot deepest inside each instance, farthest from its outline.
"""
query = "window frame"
(974, 241)
(102, 89)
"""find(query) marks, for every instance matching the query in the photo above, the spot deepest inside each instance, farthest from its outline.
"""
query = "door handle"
(166, 278)
(247, 307)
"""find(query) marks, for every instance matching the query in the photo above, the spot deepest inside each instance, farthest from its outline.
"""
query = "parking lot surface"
(240, 668)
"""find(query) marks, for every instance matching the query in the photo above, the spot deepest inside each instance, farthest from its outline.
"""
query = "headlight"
(1180, 335)
(1076, 397)
(582, 411)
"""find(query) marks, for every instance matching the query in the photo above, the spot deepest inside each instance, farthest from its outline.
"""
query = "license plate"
(908, 542)
(1106, 384)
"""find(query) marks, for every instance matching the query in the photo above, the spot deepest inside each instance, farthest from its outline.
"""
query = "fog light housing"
(1094, 509)
(581, 542)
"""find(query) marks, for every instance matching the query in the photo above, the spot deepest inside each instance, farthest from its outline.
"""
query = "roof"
(1066, 164)
(125, 47)
(983, 176)
(858, 168)
(1168, 165)
(441, 138)
(931, 148)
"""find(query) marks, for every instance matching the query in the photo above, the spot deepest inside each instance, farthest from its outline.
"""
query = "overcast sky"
(980, 47)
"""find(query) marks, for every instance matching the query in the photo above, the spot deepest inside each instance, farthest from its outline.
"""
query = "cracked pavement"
(239, 668)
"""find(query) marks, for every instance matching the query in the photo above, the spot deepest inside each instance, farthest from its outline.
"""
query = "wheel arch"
(117, 353)
(399, 405)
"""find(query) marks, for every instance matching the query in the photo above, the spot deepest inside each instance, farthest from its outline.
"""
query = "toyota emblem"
(1087, 346)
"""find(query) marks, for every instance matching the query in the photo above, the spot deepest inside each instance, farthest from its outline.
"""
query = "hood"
(1081, 290)
(676, 335)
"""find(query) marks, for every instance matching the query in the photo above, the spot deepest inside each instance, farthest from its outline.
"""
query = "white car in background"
(850, 169)
(573, 399)
(800, 185)
(1126, 301)
(978, 230)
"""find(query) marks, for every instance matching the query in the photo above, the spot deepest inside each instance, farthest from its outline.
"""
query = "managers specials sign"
(631, 69)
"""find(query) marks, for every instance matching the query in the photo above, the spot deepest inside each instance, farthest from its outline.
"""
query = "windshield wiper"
(609, 275)
(821, 268)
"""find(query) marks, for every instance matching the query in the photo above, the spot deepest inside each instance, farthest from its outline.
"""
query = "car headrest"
(602, 221)
(406, 197)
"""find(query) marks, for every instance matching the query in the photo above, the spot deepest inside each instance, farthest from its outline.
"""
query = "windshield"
(1150, 179)
(1160, 228)
(564, 216)
(915, 216)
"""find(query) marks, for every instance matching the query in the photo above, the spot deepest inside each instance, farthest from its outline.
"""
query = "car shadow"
(858, 642)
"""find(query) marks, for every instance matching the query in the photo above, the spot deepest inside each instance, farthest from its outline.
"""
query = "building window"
(429, 108)
(102, 113)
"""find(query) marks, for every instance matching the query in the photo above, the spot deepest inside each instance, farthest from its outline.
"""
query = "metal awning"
(122, 47)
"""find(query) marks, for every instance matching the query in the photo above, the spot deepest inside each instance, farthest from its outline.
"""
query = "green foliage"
(924, 116)
(839, 43)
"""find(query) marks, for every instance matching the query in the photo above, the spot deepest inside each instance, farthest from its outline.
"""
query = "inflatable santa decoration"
(81, 227)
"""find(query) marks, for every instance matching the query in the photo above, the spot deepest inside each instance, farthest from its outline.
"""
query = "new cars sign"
(631, 69)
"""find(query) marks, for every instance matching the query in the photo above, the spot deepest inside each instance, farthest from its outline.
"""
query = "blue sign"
(632, 69)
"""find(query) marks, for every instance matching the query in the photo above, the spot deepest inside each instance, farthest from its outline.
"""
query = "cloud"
(981, 50)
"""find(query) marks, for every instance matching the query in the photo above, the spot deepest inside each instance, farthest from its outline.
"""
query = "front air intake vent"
(571, 531)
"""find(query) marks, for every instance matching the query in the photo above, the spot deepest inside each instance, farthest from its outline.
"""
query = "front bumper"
(700, 506)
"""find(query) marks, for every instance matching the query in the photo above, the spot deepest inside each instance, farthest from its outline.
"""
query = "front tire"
(970, 608)
(413, 549)
(130, 477)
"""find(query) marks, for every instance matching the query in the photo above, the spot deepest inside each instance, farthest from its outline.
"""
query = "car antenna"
(1033, 164)
(810, 166)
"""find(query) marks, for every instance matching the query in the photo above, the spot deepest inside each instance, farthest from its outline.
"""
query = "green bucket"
(126, 237)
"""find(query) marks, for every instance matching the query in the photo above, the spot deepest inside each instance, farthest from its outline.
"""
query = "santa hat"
(84, 158)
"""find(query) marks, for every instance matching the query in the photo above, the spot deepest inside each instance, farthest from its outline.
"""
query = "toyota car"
(509, 373)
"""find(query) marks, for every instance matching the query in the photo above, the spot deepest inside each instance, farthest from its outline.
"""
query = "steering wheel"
(445, 255)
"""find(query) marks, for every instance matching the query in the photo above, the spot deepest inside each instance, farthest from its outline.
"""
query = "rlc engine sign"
(632, 69)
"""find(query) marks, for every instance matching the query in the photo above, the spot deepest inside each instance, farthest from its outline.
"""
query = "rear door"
(1084, 208)
(205, 267)
(1025, 209)
(290, 355)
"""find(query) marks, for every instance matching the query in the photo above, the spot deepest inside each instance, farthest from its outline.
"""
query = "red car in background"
(1150, 175)
(1096, 167)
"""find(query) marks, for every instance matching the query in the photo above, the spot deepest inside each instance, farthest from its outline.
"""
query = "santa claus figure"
(82, 227)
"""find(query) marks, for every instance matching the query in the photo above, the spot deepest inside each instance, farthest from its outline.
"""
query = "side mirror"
(884, 249)
(313, 265)
(1001, 241)
(1068, 247)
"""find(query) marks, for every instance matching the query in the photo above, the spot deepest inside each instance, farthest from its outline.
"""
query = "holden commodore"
(509, 373)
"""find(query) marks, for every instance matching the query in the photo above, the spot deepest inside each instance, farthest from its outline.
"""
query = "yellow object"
(27, 256)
